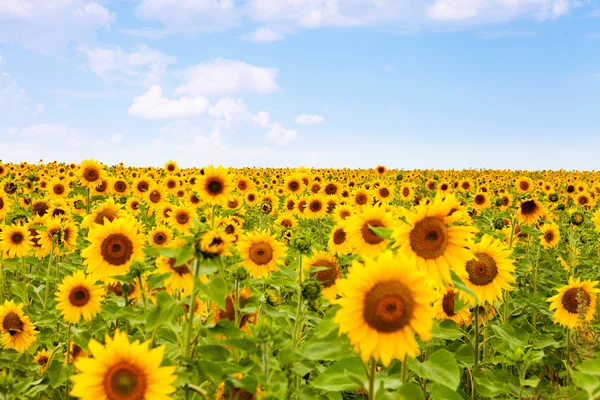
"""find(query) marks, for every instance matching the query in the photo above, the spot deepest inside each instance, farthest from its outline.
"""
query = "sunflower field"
(127, 283)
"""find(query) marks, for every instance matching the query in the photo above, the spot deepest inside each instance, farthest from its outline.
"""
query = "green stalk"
(143, 294)
(475, 349)
(372, 380)
(1, 279)
(25, 283)
(535, 286)
(405, 370)
(88, 200)
(506, 292)
(299, 308)
(68, 359)
(188, 334)
(48, 272)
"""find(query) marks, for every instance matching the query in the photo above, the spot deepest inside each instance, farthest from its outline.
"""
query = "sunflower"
(339, 243)
(332, 188)
(78, 297)
(383, 304)
(293, 184)
(141, 186)
(113, 247)
(530, 211)
(74, 354)
(107, 210)
(17, 331)
(172, 184)
(42, 358)
(58, 189)
(171, 167)
(90, 173)
(5, 205)
(327, 272)
(60, 236)
(523, 184)
(123, 371)
(261, 252)
(214, 243)
(343, 212)
(215, 186)
(430, 237)
(182, 277)
(251, 198)
(316, 207)
(15, 241)
(585, 200)
(407, 192)
(182, 218)
(550, 236)
(363, 238)
(575, 303)
(286, 221)
(489, 271)
(445, 308)
(362, 197)
(243, 184)
(155, 198)
(384, 194)
(481, 201)
(159, 236)
(119, 186)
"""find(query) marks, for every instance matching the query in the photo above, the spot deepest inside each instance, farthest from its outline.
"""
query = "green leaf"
(507, 333)
(212, 370)
(410, 391)
(489, 384)
(336, 377)
(441, 392)
(384, 233)
(215, 290)
(587, 382)
(164, 312)
(212, 352)
(441, 367)
(447, 330)
(322, 349)
(531, 382)
(459, 284)
(591, 367)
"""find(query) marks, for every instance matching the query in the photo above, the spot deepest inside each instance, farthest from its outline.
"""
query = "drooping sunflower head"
(575, 303)
(384, 303)
(121, 370)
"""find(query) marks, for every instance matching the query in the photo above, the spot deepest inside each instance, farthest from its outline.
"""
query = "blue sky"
(323, 83)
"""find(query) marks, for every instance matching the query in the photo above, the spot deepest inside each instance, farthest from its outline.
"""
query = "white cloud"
(310, 119)
(264, 35)
(153, 105)
(47, 26)
(222, 77)
(262, 119)
(482, 11)
(191, 16)
(280, 135)
(230, 109)
(14, 99)
(116, 138)
(316, 158)
(148, 64)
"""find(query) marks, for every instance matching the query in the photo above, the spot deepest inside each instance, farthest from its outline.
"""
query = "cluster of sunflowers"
(288, 283)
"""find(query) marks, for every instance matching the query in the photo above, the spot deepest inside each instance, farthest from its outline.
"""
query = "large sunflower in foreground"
(363, 238)
(431, 238)
(260, 252)
(489, 271)
(17, 331)
(15, 241)
(574, 303)
(384, 303)
(113, 247)
(215, 186)
(123, 371)
(78, 297)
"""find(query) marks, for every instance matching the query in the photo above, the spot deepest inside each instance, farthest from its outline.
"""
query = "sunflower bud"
(560, 207)
(553, 197)
(499, 223)
(272, 298)
(302, 243)
(311, 291)
(240, 274)
(399, 177)
(137, 269)
(577, 218)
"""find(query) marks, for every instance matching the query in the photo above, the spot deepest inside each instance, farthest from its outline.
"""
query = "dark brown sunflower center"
(368, 235)
(260, 253)
(331, 189)
(230, 229)
(339, 236)
(40, 208)
(482, 269)
(384, 192)
(524, 185)
(549, 237)
(583, 200)
(528, 207)
(91, 174)
(143, 186)
(171, 168)
(183, 218)
(242, 185)
(42, 361)
(120, 186)
(428, 238)
(388, 306)
(1, 203)
(466, 185)
(290, 205)
(12, 323)
(444, 187)
(233, 204)
(106, 213)
(316, 206)
(116, 249)
(505, 201)
(75, 351)
(479, 199)
(160, 238)
(155, 196)
(286, 223)
(361, 199)
(345, 214)
(570, 189)
(125, 382)
(405, 192)
(215, 186)
(58, 189)
(573, 298)
(326, 276)
(448, 303)
(180, 270)
(294, 186)
(79, 296)
(17, 238)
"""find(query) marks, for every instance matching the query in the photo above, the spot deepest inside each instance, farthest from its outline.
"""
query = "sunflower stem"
(372, 379)
(192, 306)
(475, 349)
(236, 311)
(299, 308)
(568, 358)
(88, 200)
(143, 294)
(535, 286)
(68, 360)
(26, 292)
(405, 370)
(1, 278)
(48, 272)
